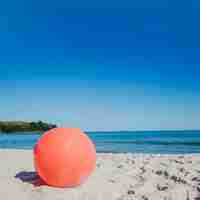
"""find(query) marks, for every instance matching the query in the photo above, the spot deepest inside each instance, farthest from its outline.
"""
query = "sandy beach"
(116, 177)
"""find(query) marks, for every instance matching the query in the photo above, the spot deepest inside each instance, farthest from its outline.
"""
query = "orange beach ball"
(64, 157)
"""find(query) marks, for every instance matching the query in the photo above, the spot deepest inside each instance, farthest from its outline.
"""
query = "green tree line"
(18, 126)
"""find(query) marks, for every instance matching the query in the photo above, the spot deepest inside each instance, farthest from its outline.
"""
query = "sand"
(116, 177)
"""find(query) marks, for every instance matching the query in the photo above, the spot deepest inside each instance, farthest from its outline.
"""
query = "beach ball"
(64, 157)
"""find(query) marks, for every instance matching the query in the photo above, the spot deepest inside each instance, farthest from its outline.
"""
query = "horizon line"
(150, 130)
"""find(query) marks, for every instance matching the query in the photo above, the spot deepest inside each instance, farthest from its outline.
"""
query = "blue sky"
(106, 65)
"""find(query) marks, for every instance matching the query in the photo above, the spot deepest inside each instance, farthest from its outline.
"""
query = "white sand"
(117, 176)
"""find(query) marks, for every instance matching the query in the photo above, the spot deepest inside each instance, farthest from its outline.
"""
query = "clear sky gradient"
(101, 65)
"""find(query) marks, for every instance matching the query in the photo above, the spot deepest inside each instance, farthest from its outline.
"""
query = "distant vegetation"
(20, 126)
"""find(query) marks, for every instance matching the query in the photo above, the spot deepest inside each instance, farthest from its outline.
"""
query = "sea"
(151, 142)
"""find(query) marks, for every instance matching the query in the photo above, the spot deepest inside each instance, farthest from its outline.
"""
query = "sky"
(101, 65)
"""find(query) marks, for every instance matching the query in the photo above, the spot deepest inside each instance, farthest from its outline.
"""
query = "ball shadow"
(30, 177)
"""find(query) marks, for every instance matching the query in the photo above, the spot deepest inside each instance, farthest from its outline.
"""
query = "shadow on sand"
(30, 177)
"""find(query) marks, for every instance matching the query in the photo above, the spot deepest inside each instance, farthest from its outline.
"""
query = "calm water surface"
(170, 142)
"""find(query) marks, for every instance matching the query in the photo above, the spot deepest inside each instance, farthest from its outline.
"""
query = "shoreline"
(120, 154)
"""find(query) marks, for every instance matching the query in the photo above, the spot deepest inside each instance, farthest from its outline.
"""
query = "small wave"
(152, 142)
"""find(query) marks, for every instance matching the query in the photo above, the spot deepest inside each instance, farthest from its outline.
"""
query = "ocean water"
(161, 142)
